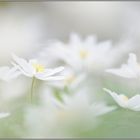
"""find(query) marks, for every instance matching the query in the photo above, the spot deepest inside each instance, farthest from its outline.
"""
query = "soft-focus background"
(27, 27)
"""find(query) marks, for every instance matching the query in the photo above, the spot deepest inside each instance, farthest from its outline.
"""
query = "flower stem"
(32, 87)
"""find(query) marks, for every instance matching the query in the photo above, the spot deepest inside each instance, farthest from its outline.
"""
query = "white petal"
(75, 39)
(124, 71)
(10, 77)
(49, 72)
(23, 64)
(134, 101)
(78, 80)
(22, 71)
(90, 41)
(132, 62)
(11, 74)
(51, 78)
(132, 59)
(129, 70)
(102, 108)
(32, 61)
(7, 73)
(116, 97)
(3, 115)
(135, 108)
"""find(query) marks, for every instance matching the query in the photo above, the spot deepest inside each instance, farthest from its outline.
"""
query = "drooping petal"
(22, 71)
(117, 98)
(11, 74)
(23, 64)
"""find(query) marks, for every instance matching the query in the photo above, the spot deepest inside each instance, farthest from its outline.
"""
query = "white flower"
(72, 79)
(4, 114)
(8, 74)
(133, 103)
(81, 54)
(129, 70)
(57, 118)
(34, 69)
(84, 54)
(79, 103)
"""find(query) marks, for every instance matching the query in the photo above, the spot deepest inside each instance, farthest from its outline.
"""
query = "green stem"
(32, 87)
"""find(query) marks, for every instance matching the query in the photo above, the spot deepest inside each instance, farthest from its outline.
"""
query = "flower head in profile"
(133, 103)
(129, 70)
(37, 70)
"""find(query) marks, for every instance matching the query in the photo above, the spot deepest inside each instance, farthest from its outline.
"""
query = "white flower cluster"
(72, 101)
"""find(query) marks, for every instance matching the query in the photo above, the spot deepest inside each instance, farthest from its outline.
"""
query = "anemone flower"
(129, 70)
(35, 70)
(133, 103)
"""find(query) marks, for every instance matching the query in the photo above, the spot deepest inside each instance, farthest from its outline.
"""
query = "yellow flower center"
(83, 54)
(39, 67)
(124, 98)
(69, 79)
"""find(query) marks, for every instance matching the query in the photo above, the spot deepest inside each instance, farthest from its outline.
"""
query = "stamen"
(39, 67)
(124, 98)
(83, 54)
